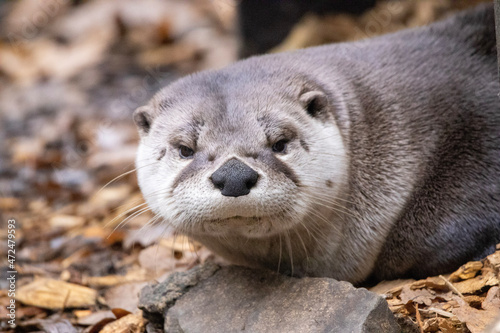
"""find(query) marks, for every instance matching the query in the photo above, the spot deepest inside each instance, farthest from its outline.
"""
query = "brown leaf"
(136, 275)
(95, 317)
(392, 287)
(492, 300)
(477, 320)
(132, 323)
(54, 294)
(467, 271)
(66, 221)
(97, 328)
(125, 296)
(51, 325)
(493, 260)
(420, 296)
(435, 283)
(444, 325)
(9, 204)
(474, 300)
(119, 313)
(471, 286)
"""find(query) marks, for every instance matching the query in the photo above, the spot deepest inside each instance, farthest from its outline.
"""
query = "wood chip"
(493, 260)
(9, 203)
(467, 271)
(487, 279)
(392, 287)
(125, 296)
(132, 323)
(54, 294)
(66, 221)
(113, 280)
(94, 318)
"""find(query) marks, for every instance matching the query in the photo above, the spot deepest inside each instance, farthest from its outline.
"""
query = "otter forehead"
(218, 110)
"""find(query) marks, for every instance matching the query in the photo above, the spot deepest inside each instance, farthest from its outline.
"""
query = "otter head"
(240, 152)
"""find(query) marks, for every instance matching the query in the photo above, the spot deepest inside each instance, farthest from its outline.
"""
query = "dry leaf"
(9, 203)
(435, 283)
(82, 313)
(52, 325)
(66, 221)
(467, 271)
(180, 243)
(392, 287)
(132, 323)
(477, 320)
(94, 318)
(53, 294)
(492, 301)
(486, 279)
(493, 260)
(444, 325)
(119, 313)
(125, 296)
(420, 296)
(110, 196)
(113, 280)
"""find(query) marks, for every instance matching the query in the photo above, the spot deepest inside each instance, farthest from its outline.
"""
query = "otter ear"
(143, 117)
(314, 102)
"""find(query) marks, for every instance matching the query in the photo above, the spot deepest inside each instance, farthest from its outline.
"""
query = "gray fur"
(416, 190)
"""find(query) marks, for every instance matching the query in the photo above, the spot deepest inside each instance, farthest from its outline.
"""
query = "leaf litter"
(71, 74)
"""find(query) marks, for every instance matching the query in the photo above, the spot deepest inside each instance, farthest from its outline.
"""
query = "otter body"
(375, 158)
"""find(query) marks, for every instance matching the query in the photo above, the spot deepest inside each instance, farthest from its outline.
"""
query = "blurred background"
(71, 74)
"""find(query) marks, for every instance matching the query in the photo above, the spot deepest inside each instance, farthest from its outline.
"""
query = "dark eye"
(185, 152)
(280, 146)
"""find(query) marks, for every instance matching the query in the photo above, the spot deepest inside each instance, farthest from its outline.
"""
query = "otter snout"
(234, 178)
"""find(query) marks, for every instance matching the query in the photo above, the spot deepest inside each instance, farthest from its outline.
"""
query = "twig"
(452, 287)
(419, 320)
(438, 311)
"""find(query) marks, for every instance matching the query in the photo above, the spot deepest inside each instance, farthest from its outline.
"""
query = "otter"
(371, 159)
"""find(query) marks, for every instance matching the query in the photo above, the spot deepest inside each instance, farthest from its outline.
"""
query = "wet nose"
(234, 178)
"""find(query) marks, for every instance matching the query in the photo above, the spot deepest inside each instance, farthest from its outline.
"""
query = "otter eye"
(280, 146)
(185, 152)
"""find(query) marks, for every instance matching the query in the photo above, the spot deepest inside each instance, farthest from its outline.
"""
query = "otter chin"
(378, 158)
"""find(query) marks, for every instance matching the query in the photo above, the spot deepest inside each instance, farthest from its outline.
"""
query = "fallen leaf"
(420, 296)
(470, 286)
(95, 317)
(435, 283)
(157, 259)
(391, 287)
(9, 203)
(66, 221)
(467, 271)
(54, 294)
(119, 313)
(132, 323)
(493, 260)
(125, 296)
(180, 243)
(477, 320)
(52, 325)
(136, 275)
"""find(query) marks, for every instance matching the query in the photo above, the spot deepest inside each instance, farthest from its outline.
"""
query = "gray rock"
(156, 299)
(231, 299)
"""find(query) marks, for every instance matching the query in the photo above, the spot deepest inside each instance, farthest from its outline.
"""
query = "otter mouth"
(236, 218)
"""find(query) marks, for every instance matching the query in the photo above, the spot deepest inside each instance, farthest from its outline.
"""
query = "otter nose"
(234, 178)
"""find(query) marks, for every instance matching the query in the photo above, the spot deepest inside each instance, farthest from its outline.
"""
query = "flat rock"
(210, 298)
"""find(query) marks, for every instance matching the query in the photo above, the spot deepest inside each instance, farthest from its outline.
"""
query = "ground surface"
(71, 74)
